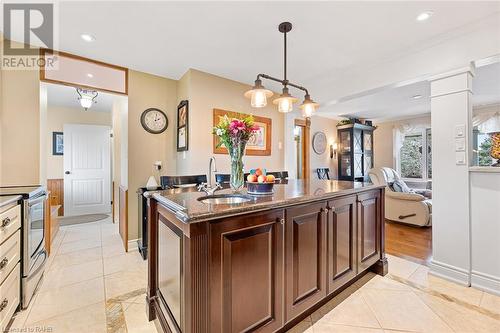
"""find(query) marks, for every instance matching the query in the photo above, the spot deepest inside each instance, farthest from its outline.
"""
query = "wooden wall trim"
(45, 51)
(306, 124)
(56, 188)
(123, 217)
(47, 224)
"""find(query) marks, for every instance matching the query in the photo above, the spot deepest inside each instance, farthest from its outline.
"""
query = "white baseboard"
(486, 282)
(132, 245)
(449, 272)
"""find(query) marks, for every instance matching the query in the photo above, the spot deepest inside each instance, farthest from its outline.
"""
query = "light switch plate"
(460, 131)
(460, 158)
(460, 144)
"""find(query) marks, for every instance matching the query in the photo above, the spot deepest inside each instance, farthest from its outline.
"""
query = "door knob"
(67, 172)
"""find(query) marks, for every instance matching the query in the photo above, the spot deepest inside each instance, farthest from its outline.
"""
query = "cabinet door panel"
(369, 219)
(341, 242)
(305, 243)
(246, 290)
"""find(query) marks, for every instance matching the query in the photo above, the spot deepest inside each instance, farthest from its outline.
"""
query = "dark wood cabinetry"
(305, 257)
(247, 273)
(369, 229)
(342, 242)
(261, 271)
(355, 151)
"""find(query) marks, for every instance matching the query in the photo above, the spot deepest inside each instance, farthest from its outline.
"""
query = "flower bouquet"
(234, 134)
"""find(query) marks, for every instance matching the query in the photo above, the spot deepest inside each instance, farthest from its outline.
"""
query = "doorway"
(87, 169)
(301, 139)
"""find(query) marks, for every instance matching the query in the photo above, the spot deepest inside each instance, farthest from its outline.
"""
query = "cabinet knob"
(4, 262)
(67, 172)
(5, 222)
(282, 221)
(4, 304)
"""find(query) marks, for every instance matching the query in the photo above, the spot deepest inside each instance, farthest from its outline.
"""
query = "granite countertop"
(188, 209)
(5, 200)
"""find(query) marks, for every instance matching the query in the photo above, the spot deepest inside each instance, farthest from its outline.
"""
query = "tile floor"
(93, 286)
(90, 285)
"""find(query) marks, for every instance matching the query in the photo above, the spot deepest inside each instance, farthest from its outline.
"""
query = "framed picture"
(182, 125)
(258, 145)
(57, 143)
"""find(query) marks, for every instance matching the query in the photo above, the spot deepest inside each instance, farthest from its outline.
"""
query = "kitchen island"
(264, 264)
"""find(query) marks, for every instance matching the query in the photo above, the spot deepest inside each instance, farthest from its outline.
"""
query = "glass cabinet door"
(367, 141)
(358, 141)
(345, 165)
(358, 165)
(345, 141)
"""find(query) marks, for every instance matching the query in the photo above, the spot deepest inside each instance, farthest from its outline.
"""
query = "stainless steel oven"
(34, 255)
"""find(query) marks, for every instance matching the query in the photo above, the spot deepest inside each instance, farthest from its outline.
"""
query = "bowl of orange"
(259, 182)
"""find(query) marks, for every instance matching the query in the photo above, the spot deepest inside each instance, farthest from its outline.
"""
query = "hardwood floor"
(408, 242)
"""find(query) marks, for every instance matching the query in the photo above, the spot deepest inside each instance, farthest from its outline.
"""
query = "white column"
(451, 111)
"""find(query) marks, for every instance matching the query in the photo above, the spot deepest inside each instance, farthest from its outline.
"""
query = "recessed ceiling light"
(90, 75)
(87, 37)
(416, 96)
(425, 15)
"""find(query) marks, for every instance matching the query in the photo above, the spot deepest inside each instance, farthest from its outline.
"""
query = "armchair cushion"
(405, 196)
(400, 186)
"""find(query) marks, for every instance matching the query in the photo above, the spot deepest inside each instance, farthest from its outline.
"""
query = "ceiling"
(398, 102)
(65, 96)
(238, 39)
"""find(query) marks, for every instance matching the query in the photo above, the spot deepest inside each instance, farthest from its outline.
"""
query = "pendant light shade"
(86, 102)
(86, 97)
(285, 101)
(258, 95)
(308, 107)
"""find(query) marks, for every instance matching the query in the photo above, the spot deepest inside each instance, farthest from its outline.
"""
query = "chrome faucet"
(207, 187)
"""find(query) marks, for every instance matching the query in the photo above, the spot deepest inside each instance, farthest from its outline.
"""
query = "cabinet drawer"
(10, 221)
(10, 252)
(9, 297)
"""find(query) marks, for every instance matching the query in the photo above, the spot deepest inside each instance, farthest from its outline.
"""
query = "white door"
(87, 169)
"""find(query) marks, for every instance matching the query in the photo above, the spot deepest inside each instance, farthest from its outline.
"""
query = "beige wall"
(206, 92)
(20, 127)
(328, 126)
(148, 91)
(57, 116)
(383, 140)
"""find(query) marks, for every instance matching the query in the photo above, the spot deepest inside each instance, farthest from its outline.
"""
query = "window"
(482, 148)
(416, 155)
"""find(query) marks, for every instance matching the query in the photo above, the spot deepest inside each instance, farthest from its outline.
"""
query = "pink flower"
(255, 128)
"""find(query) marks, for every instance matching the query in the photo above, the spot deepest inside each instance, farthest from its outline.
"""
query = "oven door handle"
(32, 202)
(41, 265)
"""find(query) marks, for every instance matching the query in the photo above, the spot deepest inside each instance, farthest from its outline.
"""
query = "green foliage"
(411, 156)
(484, 153)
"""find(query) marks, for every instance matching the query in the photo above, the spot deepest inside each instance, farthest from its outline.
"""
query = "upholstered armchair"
(406, 207)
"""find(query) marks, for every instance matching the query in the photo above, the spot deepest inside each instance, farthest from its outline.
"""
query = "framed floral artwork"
(258, 145)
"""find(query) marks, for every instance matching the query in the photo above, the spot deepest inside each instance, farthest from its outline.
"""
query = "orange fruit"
(252, 178)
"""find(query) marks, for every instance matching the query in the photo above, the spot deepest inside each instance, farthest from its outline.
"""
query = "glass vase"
(237, 180)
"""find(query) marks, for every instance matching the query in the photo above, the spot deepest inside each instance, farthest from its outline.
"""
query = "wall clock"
(154, 121)
(319, 143)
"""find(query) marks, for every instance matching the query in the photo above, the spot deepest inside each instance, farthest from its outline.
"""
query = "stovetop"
(28, 191)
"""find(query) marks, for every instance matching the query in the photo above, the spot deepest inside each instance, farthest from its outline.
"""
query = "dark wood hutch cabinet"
(355, 151)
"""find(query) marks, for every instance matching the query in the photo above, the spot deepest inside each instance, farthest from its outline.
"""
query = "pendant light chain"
(284, 37)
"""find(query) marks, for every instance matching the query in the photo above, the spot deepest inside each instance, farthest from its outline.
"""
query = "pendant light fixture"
(259, 95)
(86, 97)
